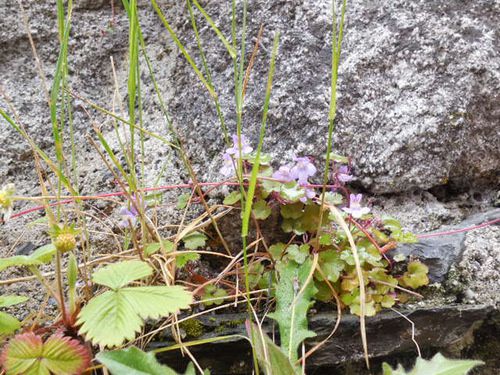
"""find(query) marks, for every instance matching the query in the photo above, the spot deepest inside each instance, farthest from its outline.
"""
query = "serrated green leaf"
(44, 254)
(182, 201)
(8, 324)
(261, 210)
(438, 365)
(41, 255)
(291, 312)
(232, 198)
(11, 300)
(117, 275)
(272, 360)
(16, 261)
(133, 361)
(183, 259)
(27, 354)
(154, 247)
(194, 240)
(117, 315)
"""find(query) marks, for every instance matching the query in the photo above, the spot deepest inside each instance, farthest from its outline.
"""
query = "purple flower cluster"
(232, 153)
(300, 172)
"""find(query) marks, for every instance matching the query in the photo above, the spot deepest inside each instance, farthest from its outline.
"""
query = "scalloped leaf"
(232, 198)
(117, 315)
(133, 361)
(118, 275)
(27, 354)
(261, 210)
(438, 365)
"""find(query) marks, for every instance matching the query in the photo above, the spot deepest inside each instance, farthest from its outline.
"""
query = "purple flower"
(228, 165)
(129, 215)
(245, 147)
(343, 174)
(309, 194)
(302, 170)
(355, 208)
(283, 174)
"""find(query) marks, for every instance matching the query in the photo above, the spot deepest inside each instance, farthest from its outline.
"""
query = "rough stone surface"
(441, 252)
(418, 104)
(479, 267)
(418, 113)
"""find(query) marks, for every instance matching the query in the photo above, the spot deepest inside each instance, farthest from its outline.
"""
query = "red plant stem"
(67, 200)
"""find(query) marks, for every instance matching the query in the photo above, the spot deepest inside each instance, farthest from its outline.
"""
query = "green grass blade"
(182, 49)
(256, 165)
(229, 47)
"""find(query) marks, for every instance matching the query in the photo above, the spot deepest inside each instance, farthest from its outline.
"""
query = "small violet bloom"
(343, 174)
(245, 147)
(284, 174)
(227, 166)
(309, 194)
(355, 208)
(129, 215)
(302, 170)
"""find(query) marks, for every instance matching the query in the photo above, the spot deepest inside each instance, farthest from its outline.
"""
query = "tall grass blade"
(224, 41)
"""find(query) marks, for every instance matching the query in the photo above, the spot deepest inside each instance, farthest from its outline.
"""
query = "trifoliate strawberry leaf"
(120, 274)
(438, 365)
(8, 324)
(27, 354)
(194, 240)
(261, 210)
(117, 315)
(11, 300)
(291, 308)
(232, 198)
(133, 361)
